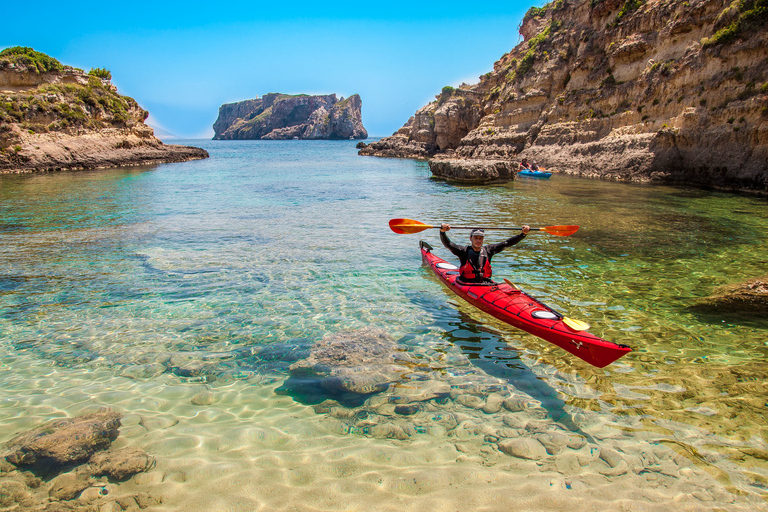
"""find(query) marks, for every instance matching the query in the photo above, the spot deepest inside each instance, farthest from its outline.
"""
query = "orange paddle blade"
(407, 226)
(560, 230)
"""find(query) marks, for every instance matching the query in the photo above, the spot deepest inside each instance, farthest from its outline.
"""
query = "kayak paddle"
(410, 226)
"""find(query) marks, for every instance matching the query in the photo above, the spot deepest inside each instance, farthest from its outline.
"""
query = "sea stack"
(285, 117)
(56, 117)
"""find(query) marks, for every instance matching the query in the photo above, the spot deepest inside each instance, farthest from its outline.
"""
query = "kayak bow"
(515, 307)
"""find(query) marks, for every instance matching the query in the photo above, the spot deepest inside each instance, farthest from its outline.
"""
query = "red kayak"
(514, 307)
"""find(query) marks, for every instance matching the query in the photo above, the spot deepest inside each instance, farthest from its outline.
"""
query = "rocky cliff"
(55, 117)
(666, 91)
(281, 116)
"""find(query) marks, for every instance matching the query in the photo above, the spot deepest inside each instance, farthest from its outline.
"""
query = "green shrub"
(445, 93)
(101, 73)
(753, 15)
(526, 63)
(629, 7)
(535, 12)
(32, 60)
(609, 81)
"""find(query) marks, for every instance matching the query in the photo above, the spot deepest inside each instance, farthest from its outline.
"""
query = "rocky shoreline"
(664, 91)
(94, 150)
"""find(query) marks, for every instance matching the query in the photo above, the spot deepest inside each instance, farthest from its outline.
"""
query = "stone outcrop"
(750, 296)
(55, 117)
(665, 91)
(286, 117)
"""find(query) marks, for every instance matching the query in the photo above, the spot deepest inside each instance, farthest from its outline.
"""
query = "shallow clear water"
(139, 288)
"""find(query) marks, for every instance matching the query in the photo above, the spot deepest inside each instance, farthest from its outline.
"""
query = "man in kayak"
(475, 259)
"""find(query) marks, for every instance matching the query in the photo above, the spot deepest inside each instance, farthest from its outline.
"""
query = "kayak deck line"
(518, 309)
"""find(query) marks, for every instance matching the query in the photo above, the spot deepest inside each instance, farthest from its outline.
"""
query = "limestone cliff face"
(667, 91)
(55, 117)
(280, 116)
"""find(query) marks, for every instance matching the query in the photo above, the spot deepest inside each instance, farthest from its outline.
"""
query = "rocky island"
(665, 91)
(56, 117)
(286, 117)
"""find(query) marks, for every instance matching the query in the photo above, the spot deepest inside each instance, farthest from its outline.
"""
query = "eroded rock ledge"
(94, 150)
(665, 91)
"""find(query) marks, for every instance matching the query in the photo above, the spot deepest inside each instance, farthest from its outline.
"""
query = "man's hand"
(445, 227)
(526, 229)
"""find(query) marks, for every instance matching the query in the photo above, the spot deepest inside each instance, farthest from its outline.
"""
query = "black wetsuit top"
(466, 252)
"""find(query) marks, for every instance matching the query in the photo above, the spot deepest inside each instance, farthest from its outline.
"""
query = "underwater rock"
(362, 361)
(748, 297)
(203, 398)
(55, 449)
(68, 486)
(119, 464)
(65, 441)
(523, 448)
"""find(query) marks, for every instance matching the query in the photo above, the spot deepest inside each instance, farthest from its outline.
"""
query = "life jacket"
(468, 271)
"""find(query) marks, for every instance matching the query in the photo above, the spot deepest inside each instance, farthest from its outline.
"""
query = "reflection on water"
(224, 272)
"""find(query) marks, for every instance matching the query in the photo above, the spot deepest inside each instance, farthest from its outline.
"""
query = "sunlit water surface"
(145, 289)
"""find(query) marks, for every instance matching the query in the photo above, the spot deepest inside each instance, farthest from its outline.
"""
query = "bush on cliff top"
(29, 58)
(101, 73)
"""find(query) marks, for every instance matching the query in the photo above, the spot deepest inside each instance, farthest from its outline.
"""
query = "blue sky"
(182, 60)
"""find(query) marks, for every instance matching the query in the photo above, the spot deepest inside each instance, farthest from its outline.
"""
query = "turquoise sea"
(180, 294)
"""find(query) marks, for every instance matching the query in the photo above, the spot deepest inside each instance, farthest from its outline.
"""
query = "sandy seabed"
(243, 446)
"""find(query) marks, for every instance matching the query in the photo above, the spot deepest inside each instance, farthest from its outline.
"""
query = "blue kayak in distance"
(534, 174)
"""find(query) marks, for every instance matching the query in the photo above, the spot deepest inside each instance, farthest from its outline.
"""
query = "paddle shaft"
(493, 228)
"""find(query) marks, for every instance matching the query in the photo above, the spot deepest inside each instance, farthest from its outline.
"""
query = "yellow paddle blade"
(510, 283)
(407, 226)
(576, 325)
(560, 230)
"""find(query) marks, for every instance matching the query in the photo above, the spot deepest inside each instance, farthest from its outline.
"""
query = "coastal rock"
(361, 361)
(473, 171)
(55, 117)
(660, 91)
(748, 297)
(64, 441)
(283, 117)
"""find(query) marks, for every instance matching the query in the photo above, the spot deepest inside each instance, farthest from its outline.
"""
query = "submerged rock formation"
(69, 464)
(361, 362)
(281, 116)
(665, 91)
(750, 297)
(55, 117)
